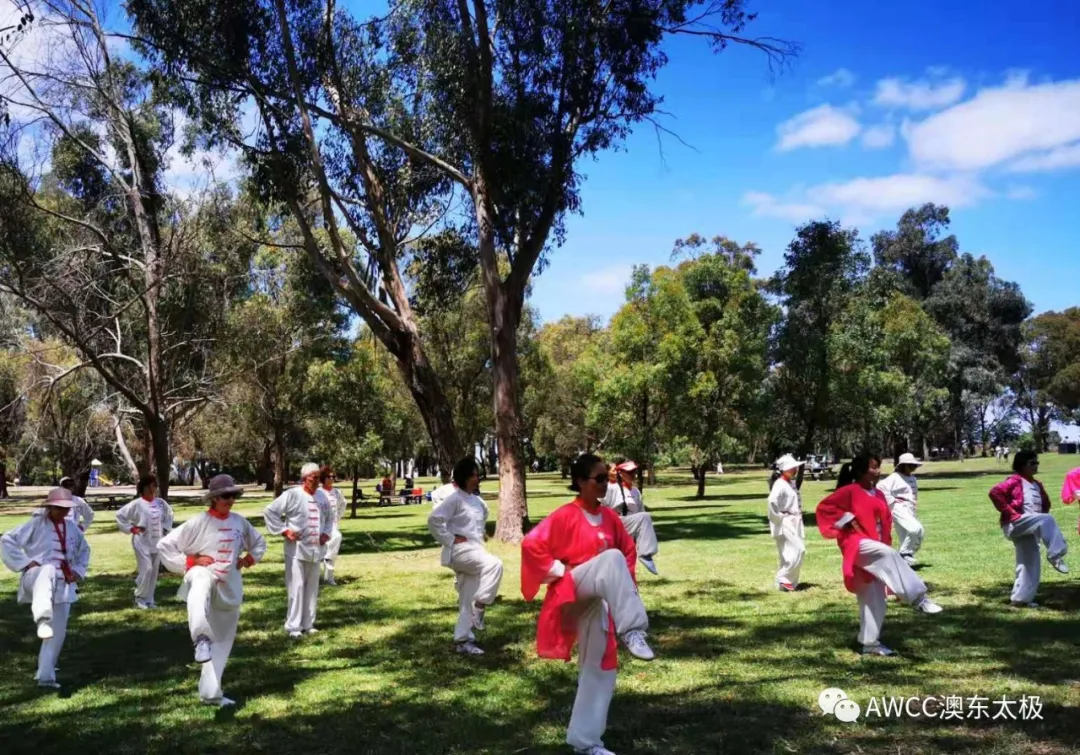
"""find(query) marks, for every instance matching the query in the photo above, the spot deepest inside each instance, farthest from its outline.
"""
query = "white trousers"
(602, 583)
(891, 571)
(790, 547)
(146, 577)
(909, 530)
(640, 527)
(1026, 532)
(333, 548)
(209, 618)
(302, 586)
(41, 581)
(478, 575)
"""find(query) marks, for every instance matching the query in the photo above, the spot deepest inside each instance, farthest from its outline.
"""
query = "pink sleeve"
(1071, 486)
(536, 558)
(1001, 495)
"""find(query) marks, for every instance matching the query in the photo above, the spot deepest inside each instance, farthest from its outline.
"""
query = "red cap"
(627, 466)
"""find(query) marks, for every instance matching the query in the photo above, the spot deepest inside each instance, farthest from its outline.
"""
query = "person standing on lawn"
(625, 499)
(786, 523)
(50, 556)
(147, 519)
(458, 523)
(1025, 519)
(857, 517)
(901, 491)
(207, 550)
(298, 516)
(334, 502)
(585, 556)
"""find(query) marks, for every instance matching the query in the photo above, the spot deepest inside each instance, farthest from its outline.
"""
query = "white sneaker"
(478, 618)
(636, 644)
(1021, 604)
(203, 650)
(649, 564)
(927, 606)
(142, 605)
(908, 558)
(1060, 565)
(878, 649)
(44, 630)
(596, 750)
(296, 635)
(52, 684)
(468, 648)
(313, 630)
(330, 581)
(220, 702)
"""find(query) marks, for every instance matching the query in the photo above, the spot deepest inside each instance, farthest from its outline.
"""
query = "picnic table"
(107, 503)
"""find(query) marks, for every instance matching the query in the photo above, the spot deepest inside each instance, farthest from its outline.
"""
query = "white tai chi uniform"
(1026, 532)
(213, 593)
(627, 503)
(335, 504)
(889, 570)
(81, 514)
(478, 573)
(156, 519)
(44, 587)
(902, 493)
(786, 528)
(301, 512)
(441, 493)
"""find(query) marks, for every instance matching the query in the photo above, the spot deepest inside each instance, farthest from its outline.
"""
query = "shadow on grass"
(709, 526)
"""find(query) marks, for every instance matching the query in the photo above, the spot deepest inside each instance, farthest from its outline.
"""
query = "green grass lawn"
(739, 670)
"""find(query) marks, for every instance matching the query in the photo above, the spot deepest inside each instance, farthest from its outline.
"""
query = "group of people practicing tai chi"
(584, 552)
(860, 516)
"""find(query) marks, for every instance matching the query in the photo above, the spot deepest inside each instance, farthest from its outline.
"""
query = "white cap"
(307, 469)
(908, 459)
(787, 461)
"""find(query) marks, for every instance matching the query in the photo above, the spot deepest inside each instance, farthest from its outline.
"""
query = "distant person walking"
(1026, 519)
(147, 519)
(857, 517)
(786, 523)
(901, 491)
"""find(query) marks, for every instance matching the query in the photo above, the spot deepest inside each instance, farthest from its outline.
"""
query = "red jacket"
(567, 536)
(873, 516)
(1008, 498)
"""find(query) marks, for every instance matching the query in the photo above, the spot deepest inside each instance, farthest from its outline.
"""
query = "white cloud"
(919, 95)
(1021, 193)
(864, 199)
(766, 205)
(822, 126)
(1001, 124)
(1055, 159)
(841, 77)
(879, 137)
(610, 280)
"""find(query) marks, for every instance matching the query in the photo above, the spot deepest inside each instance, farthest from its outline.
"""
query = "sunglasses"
(600, 479)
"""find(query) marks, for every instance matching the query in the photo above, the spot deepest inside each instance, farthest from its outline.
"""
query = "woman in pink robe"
(582, 552)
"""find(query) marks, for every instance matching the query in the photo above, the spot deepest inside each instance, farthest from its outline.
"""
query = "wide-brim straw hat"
(61, 498)
(222, 485)
(908, 459)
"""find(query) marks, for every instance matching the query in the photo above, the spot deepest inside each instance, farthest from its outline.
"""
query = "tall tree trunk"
(125, 454)
(701, 481)
(513, 506)
(281, 462)
(355, 491)
(159, 459)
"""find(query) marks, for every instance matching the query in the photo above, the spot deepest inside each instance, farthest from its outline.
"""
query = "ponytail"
(845, 477)
(855, 469)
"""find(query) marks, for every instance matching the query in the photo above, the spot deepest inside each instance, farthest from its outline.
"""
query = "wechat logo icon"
(834, 702)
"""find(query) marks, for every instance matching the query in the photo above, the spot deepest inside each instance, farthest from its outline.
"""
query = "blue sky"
(973, 105)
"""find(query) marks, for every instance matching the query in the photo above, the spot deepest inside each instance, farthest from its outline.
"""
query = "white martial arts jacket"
(81, 514)
(37, 540)
(154, 517)
(333, 502)
(441, 493)
(224, 539)
(900, 490)
(617, 495)
(784, 502)
(306, 515)
(459, 514)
